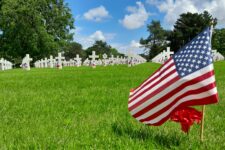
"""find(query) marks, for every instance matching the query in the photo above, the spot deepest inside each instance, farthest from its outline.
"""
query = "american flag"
(186, 79)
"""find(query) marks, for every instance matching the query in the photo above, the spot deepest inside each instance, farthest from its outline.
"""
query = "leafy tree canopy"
(72, 49)
(218, 40)
(100, 48)
(36, 27)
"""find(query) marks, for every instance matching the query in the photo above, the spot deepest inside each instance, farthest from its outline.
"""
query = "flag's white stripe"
(172, 76)
(171, 99)
(168, 89)
(185, 99)
(199, 72)
(165, 66)
(153, 82)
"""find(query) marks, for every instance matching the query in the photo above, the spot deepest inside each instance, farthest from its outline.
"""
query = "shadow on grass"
(146, 133)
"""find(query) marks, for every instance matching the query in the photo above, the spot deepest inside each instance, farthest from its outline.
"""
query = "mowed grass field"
(85, 108)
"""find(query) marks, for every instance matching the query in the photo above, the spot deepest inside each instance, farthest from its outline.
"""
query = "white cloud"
(133, 46)
(88, 41)
(110, 36)
(78, 17)
(97, 36)
(97, 14)
(217, 9)
(173, 9)
(153, 2)
(137, 17)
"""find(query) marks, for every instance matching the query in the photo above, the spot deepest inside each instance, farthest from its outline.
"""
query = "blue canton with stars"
(195, 55)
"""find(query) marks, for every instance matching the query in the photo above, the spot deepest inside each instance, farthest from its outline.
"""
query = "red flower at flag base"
(186, 117)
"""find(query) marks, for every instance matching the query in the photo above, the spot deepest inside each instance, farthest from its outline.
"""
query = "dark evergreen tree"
(156, 41)
(188, 26)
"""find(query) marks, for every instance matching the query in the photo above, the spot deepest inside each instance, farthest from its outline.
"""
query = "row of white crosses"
(94, 61)
(5, 64)
(45, 63)
(134, 59)
(217, 56)
(105, 61)
(58, 62)
(163, 56)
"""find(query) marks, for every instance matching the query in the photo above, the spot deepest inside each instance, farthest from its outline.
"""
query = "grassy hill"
(86, 108)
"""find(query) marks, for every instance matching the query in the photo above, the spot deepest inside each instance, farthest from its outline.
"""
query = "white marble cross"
(26, 62)
(99, 62)
(93, 57)
(37, 64)
(105, 56)
(163, 56)
(86, 62)
(51, 62)
(168, 53)
(2, 64)
(71, 63)
(105, 59)
(42, 63)
(112, 60)
(60, 59)
(65, 63)
(45, 63)
(118, 60)
(8, 65)
(78, 60)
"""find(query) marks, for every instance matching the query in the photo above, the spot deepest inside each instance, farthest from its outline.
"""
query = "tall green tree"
(218, 40)
(188, 26)
(101, 47)
(72, 49)
(37, 27)
(156, 41)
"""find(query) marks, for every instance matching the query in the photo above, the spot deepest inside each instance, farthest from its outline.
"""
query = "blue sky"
(122, 23)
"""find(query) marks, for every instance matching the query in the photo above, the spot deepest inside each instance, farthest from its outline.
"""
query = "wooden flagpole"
(203, 107)
(202, 124)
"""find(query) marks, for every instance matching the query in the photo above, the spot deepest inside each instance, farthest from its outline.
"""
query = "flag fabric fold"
(186, 79)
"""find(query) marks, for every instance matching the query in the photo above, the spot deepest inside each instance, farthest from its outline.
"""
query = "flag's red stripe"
(173, 92)
(150, 80)
(158, 90)
(158, 70)
(153, 73)
(202, 101)
(191, 92)
(157, 76)
(153, 85)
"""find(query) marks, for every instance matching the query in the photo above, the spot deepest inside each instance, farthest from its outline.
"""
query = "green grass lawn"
(85, 108)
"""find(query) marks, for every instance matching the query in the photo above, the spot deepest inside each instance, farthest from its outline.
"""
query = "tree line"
(100, 47)
(43, 27)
